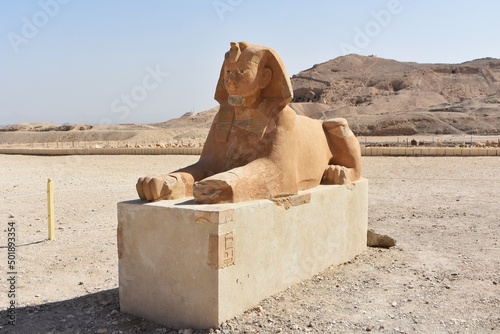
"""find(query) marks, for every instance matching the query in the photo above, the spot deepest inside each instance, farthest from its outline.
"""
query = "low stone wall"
(430, 151)
(103, 151)
(366, 151)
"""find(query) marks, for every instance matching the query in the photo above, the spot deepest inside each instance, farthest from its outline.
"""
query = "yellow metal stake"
(50, 206)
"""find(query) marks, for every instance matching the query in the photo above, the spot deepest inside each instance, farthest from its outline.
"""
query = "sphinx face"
(242, 81)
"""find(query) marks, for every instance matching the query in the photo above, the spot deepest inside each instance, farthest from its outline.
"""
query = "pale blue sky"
(144, 61)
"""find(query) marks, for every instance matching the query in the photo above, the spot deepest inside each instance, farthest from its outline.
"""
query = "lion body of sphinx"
(243, 164)
(289, 158)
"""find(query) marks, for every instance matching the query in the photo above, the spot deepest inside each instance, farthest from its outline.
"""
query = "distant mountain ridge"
(385, 97)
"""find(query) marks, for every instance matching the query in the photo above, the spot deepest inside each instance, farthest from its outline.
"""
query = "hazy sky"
(144, 61)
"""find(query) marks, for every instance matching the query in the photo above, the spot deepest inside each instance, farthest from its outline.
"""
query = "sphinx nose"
(230, 83)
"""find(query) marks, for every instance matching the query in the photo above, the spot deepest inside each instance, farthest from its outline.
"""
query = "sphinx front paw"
(334, 174)
(212, 191)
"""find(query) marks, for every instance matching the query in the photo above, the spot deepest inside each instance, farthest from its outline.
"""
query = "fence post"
(50, 208)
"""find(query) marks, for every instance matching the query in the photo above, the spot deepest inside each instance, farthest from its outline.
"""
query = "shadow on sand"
(92, 313)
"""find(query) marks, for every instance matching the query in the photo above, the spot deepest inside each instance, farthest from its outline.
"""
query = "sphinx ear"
(265, 77)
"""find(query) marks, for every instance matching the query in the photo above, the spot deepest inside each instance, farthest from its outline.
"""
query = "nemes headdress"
(279, 90)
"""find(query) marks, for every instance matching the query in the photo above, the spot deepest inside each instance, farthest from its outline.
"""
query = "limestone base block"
(194, 266)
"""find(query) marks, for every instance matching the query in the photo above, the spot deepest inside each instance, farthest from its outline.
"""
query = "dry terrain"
(386, 97)
(442, 277)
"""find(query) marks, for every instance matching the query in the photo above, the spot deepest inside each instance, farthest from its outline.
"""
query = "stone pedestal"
(194, 266)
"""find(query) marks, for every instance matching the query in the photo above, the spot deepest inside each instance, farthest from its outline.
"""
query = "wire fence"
(365, 151)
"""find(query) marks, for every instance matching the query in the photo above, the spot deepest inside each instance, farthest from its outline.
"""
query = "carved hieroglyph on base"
(258, 147)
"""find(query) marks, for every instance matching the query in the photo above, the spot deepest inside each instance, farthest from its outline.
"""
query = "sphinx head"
(251, 73)
(245, 74)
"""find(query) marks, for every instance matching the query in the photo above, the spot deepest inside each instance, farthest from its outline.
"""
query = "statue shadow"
(175, 202)
(27, 243)
(187, 202)
(92, 313)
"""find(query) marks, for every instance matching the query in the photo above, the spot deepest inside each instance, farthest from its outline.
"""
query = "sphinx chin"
(236, 100)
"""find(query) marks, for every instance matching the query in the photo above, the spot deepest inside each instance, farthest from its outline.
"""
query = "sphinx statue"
(257, 146)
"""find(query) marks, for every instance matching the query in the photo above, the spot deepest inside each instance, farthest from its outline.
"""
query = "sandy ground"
(442, 277)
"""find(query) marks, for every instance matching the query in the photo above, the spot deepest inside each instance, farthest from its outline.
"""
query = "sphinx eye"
(228, 71)
(241, 71)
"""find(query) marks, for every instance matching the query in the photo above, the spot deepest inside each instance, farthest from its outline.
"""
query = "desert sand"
(442, 276)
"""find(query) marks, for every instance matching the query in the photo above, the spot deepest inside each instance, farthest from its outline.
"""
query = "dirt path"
(442, 277)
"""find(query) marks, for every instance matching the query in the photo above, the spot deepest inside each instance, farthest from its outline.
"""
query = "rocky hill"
(386, 97)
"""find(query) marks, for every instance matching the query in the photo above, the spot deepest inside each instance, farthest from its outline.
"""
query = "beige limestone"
(258, 147)
(188, 265)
